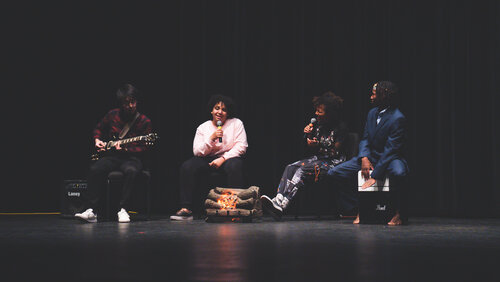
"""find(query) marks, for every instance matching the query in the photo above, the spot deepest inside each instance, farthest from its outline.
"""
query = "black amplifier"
(73, 195)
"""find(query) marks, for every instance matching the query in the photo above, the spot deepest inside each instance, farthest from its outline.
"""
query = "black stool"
(215, 178)
(315, 191)
(115, 177)
(320, 196)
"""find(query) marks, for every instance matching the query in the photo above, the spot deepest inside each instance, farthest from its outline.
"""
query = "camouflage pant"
(295, 174)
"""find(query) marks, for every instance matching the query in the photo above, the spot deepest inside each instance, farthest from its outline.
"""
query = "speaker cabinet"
(73, 195)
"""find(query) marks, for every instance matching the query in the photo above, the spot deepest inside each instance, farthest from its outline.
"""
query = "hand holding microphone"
(219, 127)
(309, 128)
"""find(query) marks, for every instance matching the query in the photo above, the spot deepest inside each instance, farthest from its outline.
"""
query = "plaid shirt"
(111, 125)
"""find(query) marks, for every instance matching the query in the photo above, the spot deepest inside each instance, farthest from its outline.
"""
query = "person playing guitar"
(128, 157)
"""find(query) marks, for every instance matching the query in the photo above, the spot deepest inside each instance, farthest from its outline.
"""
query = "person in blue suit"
(380, 151)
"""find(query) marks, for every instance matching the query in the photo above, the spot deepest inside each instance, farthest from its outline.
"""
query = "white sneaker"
(123, 216)
(87, 216)
(272, 206)
(280, 202)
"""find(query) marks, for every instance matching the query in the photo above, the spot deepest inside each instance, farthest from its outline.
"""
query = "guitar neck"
(129, 140)
(124, 141)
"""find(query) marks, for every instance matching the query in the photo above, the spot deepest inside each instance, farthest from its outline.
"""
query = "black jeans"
(96, 182)
(197, 168)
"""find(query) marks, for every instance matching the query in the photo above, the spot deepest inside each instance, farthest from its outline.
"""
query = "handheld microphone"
(219, 126)
(313, 121)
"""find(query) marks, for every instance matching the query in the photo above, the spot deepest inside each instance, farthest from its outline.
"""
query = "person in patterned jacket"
(128, 157)
(324, 141)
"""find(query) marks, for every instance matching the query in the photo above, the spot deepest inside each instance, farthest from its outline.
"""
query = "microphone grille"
(219, 123)
(313, 120)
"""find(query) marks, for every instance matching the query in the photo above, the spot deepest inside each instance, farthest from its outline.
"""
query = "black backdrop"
(64, 61)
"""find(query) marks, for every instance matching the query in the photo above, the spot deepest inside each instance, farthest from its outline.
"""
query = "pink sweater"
(234, 141)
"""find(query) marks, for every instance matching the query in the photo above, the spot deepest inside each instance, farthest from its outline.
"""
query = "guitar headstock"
(151, 138)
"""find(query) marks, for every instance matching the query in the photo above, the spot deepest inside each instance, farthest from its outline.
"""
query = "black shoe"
(271, 207)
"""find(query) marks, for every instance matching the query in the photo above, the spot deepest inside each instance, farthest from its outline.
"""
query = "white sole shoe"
(84, 218)
(275, 211)
(181, 218)
(123, 216)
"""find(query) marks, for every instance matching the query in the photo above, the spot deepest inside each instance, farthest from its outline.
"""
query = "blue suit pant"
(344, 178)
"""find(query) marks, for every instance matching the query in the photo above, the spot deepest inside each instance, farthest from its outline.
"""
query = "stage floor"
(49, 248)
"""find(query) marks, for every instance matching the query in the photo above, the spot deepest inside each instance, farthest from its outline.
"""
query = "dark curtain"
(66, 60)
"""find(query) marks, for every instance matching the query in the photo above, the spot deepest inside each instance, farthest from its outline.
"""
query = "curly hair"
(227, 101)
(332, 103)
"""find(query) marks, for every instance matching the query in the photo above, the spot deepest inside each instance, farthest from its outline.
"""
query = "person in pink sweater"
(219, 144)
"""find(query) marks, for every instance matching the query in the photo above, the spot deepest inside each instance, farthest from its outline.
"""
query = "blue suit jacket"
(383, 142)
